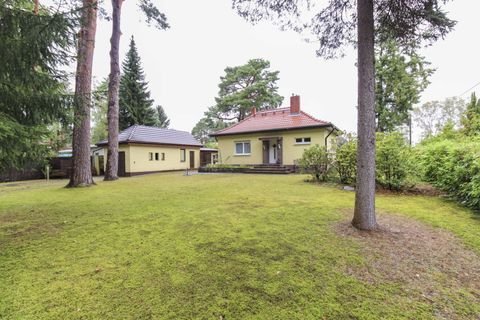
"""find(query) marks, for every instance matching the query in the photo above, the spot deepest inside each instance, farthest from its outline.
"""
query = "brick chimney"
(295, 104)
(253, 112)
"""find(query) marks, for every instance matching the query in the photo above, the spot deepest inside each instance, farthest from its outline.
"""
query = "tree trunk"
(113, 91)
(82, 170)
(364, 214)
(36, 4)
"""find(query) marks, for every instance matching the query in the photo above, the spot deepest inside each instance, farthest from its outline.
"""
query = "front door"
(273, 152)
(266, 151)
(121, 164)
(192, 159)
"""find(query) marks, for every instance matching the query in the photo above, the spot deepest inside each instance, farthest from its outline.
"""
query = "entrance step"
(269, 169)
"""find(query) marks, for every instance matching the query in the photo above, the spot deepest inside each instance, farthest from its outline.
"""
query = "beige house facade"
(145, 149)
(273, 137)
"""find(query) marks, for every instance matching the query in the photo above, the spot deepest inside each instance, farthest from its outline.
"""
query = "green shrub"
(316, 161)
(345, 162)
(394, 162)
(454, 167)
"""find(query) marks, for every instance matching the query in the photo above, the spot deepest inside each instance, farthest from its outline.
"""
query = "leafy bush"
(454, 167)
(394, 163)
(345, 162)
(316, 161)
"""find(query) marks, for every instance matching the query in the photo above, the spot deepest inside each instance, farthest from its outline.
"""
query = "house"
(273, 137)
(145, 149)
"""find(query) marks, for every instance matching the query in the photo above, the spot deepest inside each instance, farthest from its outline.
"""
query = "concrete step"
(267, 171)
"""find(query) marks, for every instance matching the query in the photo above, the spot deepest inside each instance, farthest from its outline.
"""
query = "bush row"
(394, 162)
(454, 167)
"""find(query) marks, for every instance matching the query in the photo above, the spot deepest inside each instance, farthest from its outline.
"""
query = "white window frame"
(243, 143)
(303, 140)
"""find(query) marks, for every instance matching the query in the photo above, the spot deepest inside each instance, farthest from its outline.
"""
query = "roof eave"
(154, 143)
(326, 125)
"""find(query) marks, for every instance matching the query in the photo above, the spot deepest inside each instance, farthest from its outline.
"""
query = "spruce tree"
(135, 102)
(34, 48)
(162, 119)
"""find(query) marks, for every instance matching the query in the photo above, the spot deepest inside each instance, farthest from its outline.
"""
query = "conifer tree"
(161, 116)
(33, 50)
(135, 102)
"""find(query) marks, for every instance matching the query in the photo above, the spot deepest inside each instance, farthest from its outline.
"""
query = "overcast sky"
(183, 64)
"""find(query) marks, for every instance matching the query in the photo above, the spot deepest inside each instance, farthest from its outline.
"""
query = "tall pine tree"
(136, 106)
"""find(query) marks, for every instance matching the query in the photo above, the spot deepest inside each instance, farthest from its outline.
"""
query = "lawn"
(220, 246)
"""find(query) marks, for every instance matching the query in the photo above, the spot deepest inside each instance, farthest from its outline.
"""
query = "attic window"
(305, 140)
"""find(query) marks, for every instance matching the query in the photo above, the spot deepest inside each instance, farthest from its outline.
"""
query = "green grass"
(169, 246)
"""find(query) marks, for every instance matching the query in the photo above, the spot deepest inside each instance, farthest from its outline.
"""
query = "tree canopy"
(433, 116)
(244, 87)
(401, 76)
(334, 25)
(471, 119)
(205, 127)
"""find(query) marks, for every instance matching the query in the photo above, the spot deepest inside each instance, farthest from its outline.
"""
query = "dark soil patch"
(430, 264)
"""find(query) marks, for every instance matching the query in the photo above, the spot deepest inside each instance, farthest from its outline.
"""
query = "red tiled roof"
(272, 120)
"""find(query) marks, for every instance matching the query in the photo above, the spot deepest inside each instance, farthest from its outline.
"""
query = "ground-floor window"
(242, 147)
(182, 155)
(163, 156)
(305, 140)
(157, 156)
(150, 156)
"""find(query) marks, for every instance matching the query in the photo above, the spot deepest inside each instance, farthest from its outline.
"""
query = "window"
(182, 155)
(214, 158)
(150, 156)
(157, 156)
(305, 140)
(163, 156)
(242, 148)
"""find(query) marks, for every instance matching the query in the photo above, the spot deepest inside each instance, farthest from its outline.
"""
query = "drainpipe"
(328, 135)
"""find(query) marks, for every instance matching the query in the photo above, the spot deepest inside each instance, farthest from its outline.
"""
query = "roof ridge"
(235, 124)
(313, 118)
(159, 128)
(135, 126)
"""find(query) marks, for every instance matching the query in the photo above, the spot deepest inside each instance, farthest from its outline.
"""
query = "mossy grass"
(169, 246)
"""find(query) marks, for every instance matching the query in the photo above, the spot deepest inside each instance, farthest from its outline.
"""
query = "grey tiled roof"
(144, 134)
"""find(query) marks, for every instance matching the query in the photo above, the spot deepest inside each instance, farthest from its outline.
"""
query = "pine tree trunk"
(364, 214)
(113, 91)
(82, 170)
